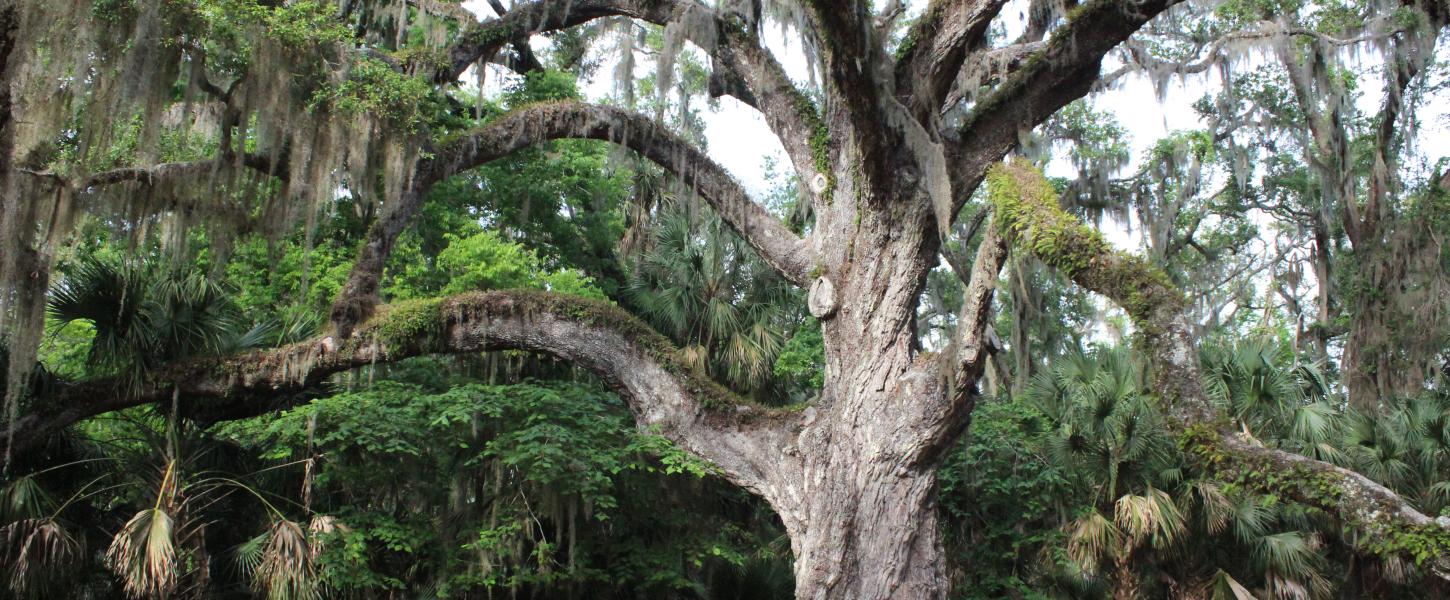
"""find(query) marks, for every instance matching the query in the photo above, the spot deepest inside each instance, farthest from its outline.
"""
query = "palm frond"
(1152, 517)
(37, 551)
(24, 498)
(1216, 508)
(1091, 538)
(144, 554)
(280, 562)
(1289, 558)
(1225, 587)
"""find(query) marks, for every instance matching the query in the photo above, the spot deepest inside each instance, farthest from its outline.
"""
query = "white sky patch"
(740, 140)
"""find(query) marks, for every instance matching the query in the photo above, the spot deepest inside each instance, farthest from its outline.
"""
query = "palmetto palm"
(1112, 434)
(1106, 429)
(144, 315)
(1407, 446)
(700, 284)
(1272, 396)
(34, 543)
(1103, 424)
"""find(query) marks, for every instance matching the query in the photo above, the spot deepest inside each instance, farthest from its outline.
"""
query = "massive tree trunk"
(864, 525)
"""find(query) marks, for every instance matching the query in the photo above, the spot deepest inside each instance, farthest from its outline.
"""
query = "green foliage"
(309, 23)
(268, 276)
(485, 261)
(374, 87)
(143, 315)
(560, 475)
(1000, 500)
(802, 361)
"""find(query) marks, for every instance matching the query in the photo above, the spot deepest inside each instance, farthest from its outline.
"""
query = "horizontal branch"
(664, 393)
(525, 127)
(1027, 209)
(161, 173)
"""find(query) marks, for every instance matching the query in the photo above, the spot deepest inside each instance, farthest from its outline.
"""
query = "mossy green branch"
(1027, 212)
(1320, 487)
(407, 324)
(419, 327)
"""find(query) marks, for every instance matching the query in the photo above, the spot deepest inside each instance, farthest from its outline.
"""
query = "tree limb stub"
(1027, 209)
(664, 393)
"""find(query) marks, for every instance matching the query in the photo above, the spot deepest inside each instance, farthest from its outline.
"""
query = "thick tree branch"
(855, 67)
(522, 128)
(743, 67)
(966, 357)
(664, 393)
(988, 67)
(164, 172)
(935, 48)
(1027, 209)
(525, 61)
(1062, 71)
(777, 245)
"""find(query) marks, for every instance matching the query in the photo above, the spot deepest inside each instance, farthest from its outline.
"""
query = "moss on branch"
(1384, 531)
(420, 326)
(1027, 212)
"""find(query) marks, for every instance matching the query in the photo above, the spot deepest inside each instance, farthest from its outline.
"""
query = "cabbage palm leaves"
(699, 283)
(1271, 395)
(1106, 426)
(144, 315)
(1407, 446)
